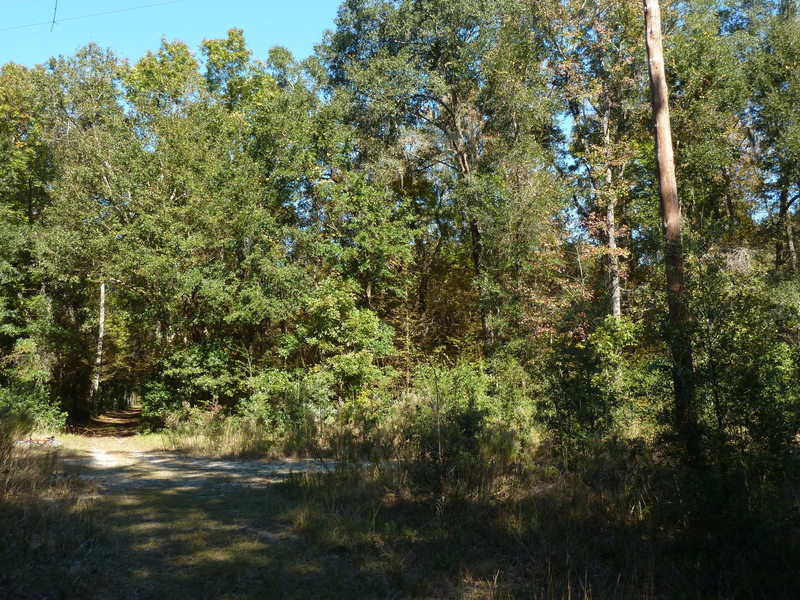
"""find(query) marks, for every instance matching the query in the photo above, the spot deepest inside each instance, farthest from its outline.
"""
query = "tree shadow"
(172, 526)
(182, 527)
(115, 423)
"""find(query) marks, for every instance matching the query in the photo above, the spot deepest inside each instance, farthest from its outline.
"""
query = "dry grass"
(48, 524)
(622, 522)
(142, 442)
(227, 441)
(207, 433)
(614, 527)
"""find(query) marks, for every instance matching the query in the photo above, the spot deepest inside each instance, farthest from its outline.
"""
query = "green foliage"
(32, 404)
(606, 384)
(289, 247)
(25, 395)
(403, 249)
(452, 406)
(749, 352)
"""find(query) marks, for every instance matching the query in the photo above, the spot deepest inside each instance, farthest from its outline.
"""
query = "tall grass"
(621, 522)
(454, 495)
(209, 433)
(47, 522)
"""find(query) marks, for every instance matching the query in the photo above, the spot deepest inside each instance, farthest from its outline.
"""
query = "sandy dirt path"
(108, 453)
(178, 526)
(119, 471)
(171, 525)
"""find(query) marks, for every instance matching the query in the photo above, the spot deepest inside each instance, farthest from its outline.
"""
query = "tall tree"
(436, 90)
(776, 119)
(713, 138)
(679, 339)
(592, 49)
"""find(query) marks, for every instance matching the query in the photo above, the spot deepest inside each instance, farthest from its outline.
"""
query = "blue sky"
(296, 24)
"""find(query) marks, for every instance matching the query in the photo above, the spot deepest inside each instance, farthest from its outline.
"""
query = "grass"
(206, 434)
(65, 537)
(226, 442)
(622, 522)
(624, 526)
(49, 528)
(142, 442)
(544, 543)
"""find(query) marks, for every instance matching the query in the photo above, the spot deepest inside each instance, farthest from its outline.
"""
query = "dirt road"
(119, 471)
(169, 525)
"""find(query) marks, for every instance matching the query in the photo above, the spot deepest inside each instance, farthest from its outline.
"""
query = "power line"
(105, 12)
(55, 10)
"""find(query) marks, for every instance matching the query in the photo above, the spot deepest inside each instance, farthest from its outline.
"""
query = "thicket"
(436, 241)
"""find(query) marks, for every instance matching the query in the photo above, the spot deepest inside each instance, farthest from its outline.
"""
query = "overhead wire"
(55, 10)
(96, 14)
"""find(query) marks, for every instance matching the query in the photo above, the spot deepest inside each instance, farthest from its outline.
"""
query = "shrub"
(31, 404)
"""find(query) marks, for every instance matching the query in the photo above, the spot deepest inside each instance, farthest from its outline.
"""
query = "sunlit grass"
(142, 442)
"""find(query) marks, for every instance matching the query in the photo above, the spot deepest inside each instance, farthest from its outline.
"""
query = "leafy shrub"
(26, 395)
(748, 357)
(13, 426)
(32, 404)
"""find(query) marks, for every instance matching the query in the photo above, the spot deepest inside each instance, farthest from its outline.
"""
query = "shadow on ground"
(167, 525)
(163, 525)
(117, 423)
(152, 524)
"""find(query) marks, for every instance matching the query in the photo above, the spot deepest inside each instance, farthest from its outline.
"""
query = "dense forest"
(439, 240)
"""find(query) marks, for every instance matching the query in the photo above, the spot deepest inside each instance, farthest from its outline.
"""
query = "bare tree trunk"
(615, 293)
(613, 260)
(101, 329)
(790, 243)
(679, 339)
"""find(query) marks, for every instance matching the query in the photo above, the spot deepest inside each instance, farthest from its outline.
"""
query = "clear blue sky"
(296, 24)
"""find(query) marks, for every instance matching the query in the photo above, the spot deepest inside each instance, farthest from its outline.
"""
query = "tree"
(445, 95)
(679, 340)
(595, 67)
(776, 90)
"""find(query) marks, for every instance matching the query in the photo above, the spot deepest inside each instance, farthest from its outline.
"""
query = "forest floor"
(161, 524)
(115, 514)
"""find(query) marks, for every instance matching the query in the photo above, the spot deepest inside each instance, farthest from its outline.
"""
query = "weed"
(621, 523)
(47, 524)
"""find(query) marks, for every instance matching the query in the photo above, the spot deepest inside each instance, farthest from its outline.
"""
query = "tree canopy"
(461, 186)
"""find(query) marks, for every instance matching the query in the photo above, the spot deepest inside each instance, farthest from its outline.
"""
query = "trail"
(128, 471)
(172, 525)
(108, 457)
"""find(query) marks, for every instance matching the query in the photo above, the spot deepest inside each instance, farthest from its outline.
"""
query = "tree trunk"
(614, 290)
(783, 211)
(790, 243)
(784, 244)
(613, 260)
(679, 339)
(476, 237)
(101, 328)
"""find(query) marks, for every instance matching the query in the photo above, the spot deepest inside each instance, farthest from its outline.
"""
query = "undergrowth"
(48, 523)
(210, 433)
(622, 522)
(452, 496)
